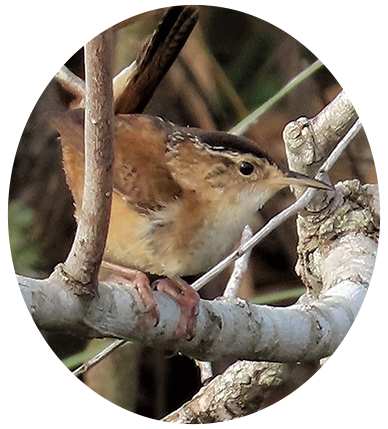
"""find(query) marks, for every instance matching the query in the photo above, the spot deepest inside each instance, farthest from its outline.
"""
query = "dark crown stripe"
(221, 141)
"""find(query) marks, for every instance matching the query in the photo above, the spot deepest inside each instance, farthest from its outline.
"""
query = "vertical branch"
(85, 257)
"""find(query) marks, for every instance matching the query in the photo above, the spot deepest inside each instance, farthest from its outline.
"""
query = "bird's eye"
(246, 168)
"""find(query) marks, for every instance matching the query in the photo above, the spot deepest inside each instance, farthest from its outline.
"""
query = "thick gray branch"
(308, 330)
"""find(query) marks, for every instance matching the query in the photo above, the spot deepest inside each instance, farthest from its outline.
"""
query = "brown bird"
(181, 198)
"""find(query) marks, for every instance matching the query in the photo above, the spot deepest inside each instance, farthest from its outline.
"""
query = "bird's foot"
(188, 300)
(140, 282)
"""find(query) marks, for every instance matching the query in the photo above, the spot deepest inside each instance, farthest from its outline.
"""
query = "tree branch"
(254, 386)
(277, 220)
(83, 262)
(299, 332)
(320, 263)
(308, 330)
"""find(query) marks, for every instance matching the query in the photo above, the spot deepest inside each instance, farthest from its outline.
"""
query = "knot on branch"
(87, 290)
(298, 134)
(353, 211)
(303, 153)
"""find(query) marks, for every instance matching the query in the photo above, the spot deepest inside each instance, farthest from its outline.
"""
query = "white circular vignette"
(37, 329)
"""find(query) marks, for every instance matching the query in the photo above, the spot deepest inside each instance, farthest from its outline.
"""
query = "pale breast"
(205, 235)
(186, 238)
(217, 237)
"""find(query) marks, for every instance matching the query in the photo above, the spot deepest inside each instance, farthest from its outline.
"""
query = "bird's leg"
(188, 300)
(139, 280)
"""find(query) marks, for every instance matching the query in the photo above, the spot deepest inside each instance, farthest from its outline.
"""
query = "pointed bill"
(298, 179)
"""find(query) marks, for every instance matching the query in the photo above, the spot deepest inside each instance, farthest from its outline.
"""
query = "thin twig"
(98, 357)
(84, 259)
(277, 220)
(240, 267)
(231, 291)
(51, 65)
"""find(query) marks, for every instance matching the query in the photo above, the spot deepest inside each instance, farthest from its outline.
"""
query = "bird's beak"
(293, 178)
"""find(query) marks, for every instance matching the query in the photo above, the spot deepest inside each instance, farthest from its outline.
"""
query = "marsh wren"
(181, 198)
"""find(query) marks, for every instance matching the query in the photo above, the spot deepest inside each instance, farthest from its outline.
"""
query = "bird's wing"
(140, 174)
